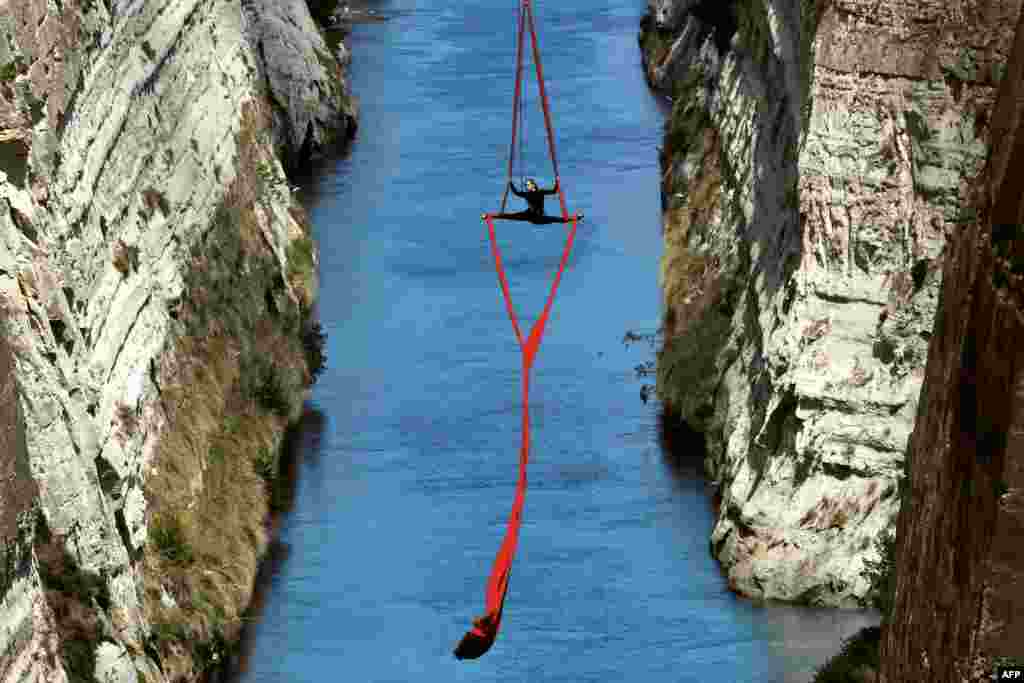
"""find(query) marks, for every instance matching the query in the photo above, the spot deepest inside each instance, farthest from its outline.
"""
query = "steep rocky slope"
(812, 168)
(155, 287)
(959, 605)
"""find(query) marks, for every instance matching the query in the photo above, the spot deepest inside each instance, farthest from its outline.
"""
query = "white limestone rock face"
(141, 185)
(26, 623)
(812, 166)
(114, 665)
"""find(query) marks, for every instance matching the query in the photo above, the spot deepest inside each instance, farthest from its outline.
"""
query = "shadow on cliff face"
(720, 15)
(682, 448)
(309, 174)
(301, 444)
(725, 260)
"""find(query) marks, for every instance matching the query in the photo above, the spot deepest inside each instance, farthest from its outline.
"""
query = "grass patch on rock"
(688, 119)
(301, 264)
(168, 538)
(208, 503)
(699, 294)
(207, 499)
(235, 367)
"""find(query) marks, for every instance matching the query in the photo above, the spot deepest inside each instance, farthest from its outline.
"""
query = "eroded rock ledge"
(812, 168)
(156, 279)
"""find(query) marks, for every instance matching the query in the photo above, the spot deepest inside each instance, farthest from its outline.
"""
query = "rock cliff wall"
(959, 606)
(812, 168)
(156, 279)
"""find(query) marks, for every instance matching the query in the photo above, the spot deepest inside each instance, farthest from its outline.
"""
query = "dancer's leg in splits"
(534, 196)
(531, 217)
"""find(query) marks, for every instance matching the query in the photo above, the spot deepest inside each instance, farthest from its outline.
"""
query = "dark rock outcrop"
(959, 603)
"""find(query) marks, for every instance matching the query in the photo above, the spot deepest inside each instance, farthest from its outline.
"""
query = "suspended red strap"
(485, 629)
(543, 94)
(504, 283)
(516, 100)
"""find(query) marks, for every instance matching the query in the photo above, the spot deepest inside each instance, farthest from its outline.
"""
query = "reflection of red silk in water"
(485, 629)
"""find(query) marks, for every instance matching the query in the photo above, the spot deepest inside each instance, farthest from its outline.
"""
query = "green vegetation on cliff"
(245, 352)
(857, 661)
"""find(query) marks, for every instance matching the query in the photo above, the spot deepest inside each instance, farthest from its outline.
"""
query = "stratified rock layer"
(812, 166)
(156, 279)
(960, 582)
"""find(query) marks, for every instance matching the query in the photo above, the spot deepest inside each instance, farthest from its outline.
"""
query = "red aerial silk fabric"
(485, 629)
(479, 639)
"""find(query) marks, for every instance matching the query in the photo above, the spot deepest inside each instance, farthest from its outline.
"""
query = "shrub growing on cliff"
(168, 631)
(263, 383)
(300, 257)
(209, 654)
(655, 42)
(266, 465)
(856, 661)
(79, 658)
(270, 392)
(322, 10)
(313, 340)
(9, 71)
(881, 574)
(271, 186)
(217, 455)
(686, 123)
(169, 540)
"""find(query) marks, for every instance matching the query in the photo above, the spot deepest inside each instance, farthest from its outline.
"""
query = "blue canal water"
(406, 463)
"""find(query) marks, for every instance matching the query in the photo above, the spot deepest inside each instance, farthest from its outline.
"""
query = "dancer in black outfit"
(534, 213)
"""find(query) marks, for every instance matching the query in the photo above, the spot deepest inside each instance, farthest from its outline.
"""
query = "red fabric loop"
(479, 639)
(485, 629)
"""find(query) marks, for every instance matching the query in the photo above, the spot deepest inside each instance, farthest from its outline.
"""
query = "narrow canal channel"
(406, 465)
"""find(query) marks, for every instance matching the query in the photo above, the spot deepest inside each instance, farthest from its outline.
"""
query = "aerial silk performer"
(481, 636)
(534, 213)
